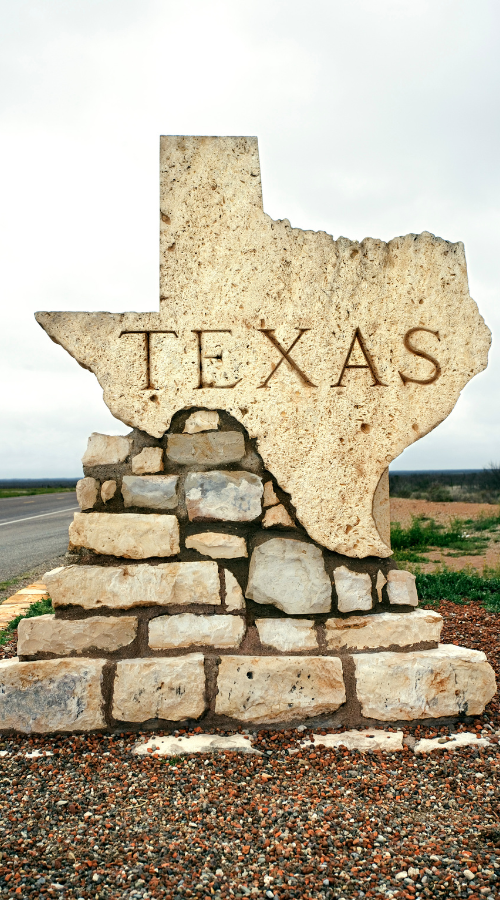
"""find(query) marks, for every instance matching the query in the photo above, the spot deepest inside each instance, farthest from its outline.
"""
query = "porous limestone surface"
(223, 496)
(381, 509)
(210, 449)
(124, 587)
(401, 588)
(108, 490)
(150, 491)
(334, 354)
(277, 517)
(354, 590)
(271, 689)
(384, 629)
(106, 449)
(448, 681)
(290, 575)
(51, 695)
(450, 742)
(188, 630)
(270, 498)
(218, 545)
(287, 635)
(148, 461)
(171, 745)
(363, 741)
(46, 634)
(87, 491)
(132, 535)
(159, 688)
(201, 420)
(234, 595)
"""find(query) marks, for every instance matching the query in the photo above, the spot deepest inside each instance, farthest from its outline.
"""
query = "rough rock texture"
(401, 310)
(201, 420)
(150, 491)
(124, 587)
(149, 460)
(384, 630)
(212, 449)
(380, 583)
(277, 517)
(234, 595)
(363, 741)
(401, 588)
(171, 745)
(278, 688)
(218, 545)
(159, 688)
(425, 684)
(223, 496)
(454, 742)
(188, 630)
(134, 536)
(287, 635)
(51, 695)
(381, 510)
(270, 498)
(108, 490)
(354, 589)
(106, 449)
(46, 634)
(291, 575)
(87, 491)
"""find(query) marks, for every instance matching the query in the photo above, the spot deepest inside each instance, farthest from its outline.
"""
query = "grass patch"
(39, 608)
(460, 587)
(29, 492)
(424, 534)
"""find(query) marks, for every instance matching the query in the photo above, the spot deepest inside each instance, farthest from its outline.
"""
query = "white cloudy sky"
(374, 119)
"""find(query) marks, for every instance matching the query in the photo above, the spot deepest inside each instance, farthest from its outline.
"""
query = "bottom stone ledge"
(51, 695)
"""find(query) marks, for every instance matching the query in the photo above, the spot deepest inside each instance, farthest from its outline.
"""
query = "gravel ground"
(93, 821)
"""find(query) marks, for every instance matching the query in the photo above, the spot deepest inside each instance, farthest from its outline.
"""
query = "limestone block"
(223, 496)
(382, 508)
(51, 695)
(106, 449)
(218, 545)
(134, 535)
(46, 634)
(451, 742)
(380, 584)
(277, 517)
(354, 589)
(108, 490)
(363, 741)
(234, 595)
(159, 688)
(201, 420)
(124, 587)
(188, 630)
(87, 491)
(149, 460)
(150, 491)
(267, 689)
(290, 575)
(287, 635)
(173, 745)
(270, 498)
(424, 684)
(384, 630)
(401, 588)
(209, 449)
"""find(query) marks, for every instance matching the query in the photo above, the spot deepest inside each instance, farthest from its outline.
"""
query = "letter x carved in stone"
(285, 354)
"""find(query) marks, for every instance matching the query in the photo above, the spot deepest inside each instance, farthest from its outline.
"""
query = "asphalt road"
(33, 530)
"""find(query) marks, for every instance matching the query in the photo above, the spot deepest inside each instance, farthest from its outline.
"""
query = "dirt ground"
(402, 511)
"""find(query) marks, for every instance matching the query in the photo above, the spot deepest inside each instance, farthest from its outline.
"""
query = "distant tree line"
(482, 486)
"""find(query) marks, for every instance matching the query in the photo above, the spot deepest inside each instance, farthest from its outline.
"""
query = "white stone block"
(202, 420)
(223, 496)
(188, 630)
(287, 635)
(108, 490)
(46, 634)
(450, 742)
(354, 589)
(148, 461)
(51, 695)
(234, 595)
(424, 684)
(362, 741)
(87, 492)
(172, 745)
(277, 517)
(124, 587)
(401, 588)
(383, 630)
(218, 545)
(213, 449)
(106, 449)
(132, 535)
(290, 575)
(270, 498)
(269, 689)
(159, 688)
(150, 491)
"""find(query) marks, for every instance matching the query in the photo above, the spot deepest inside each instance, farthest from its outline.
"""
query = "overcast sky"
(374, 119)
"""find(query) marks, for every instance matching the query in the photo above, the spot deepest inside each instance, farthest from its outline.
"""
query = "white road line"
(58, 512)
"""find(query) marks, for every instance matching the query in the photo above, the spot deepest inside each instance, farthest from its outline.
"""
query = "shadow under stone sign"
(231, 560)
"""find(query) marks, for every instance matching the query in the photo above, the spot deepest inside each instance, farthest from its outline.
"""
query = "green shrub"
(460, 587)
(424, 534)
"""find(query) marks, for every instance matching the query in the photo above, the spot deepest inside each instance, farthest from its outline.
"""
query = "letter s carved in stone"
(409, 346)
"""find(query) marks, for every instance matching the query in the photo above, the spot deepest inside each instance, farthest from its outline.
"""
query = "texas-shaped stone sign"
(335, 355)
